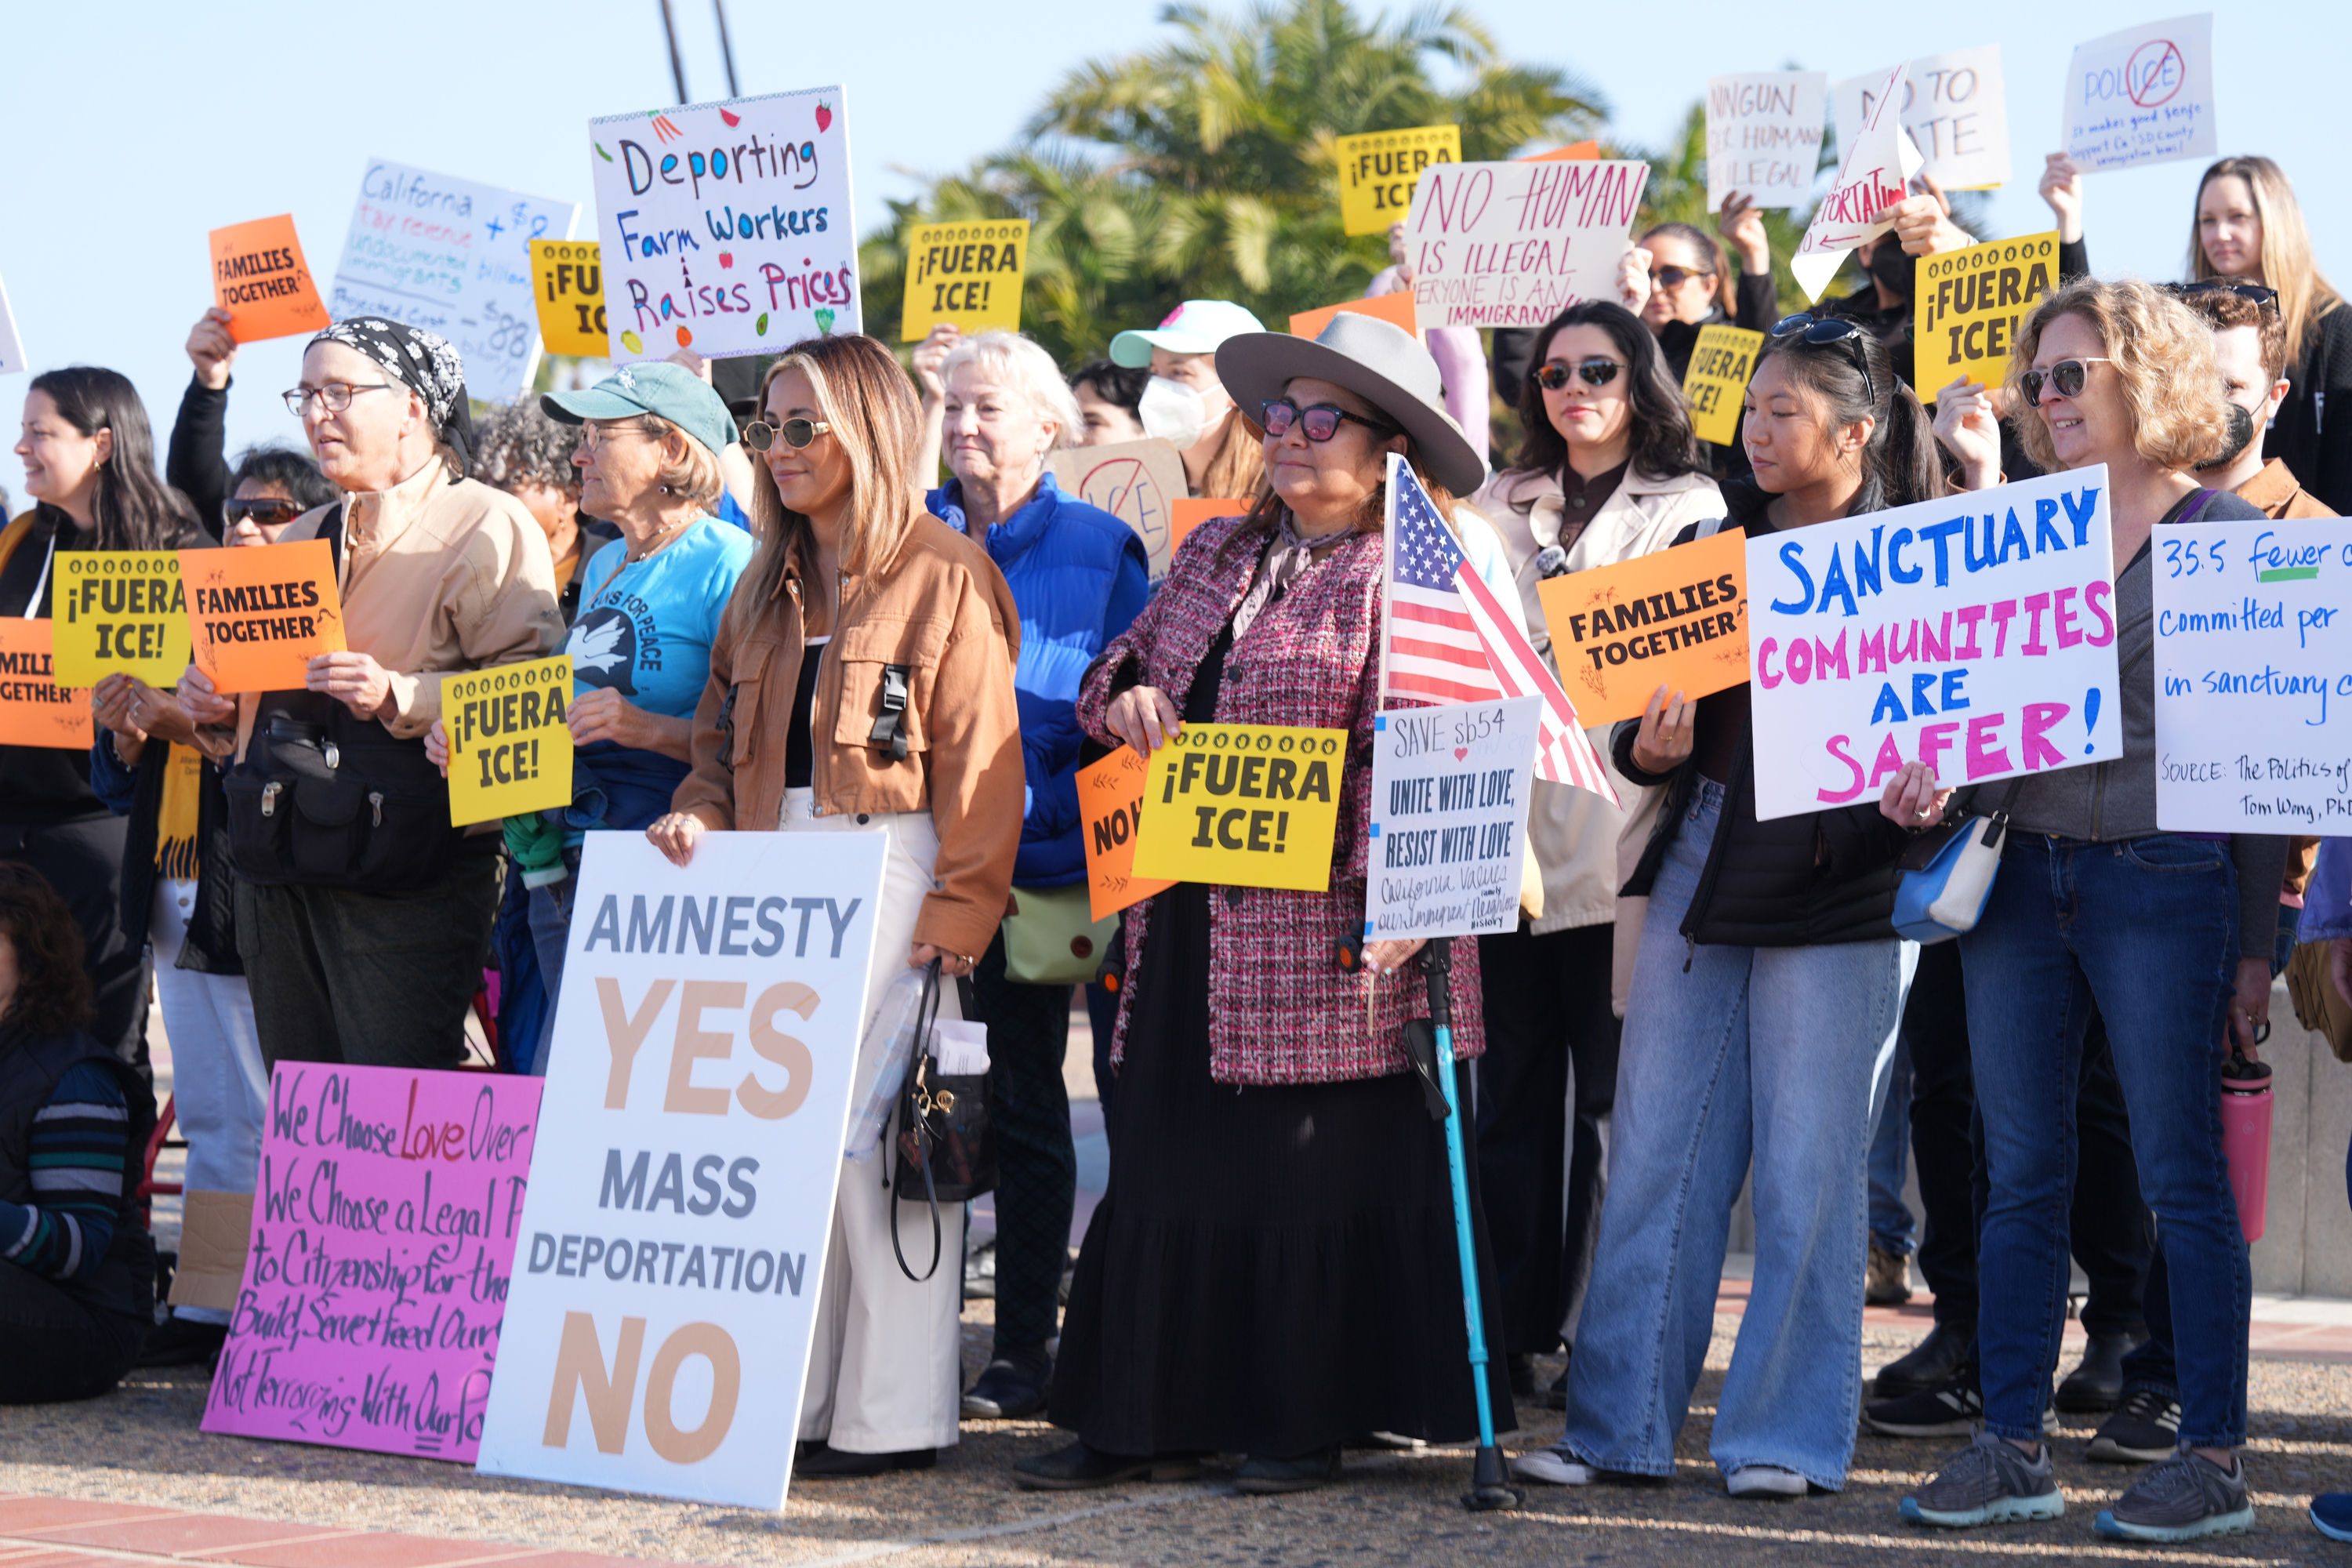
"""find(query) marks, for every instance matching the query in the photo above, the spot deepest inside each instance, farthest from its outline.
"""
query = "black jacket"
(196, 464)
(1794, 881)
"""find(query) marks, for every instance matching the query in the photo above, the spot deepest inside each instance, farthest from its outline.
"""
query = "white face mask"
(1173, 411)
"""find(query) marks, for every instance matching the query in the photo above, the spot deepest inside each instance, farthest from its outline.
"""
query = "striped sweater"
(80, 1145)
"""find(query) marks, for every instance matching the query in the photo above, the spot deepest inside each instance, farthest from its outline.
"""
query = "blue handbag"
(1948, 872)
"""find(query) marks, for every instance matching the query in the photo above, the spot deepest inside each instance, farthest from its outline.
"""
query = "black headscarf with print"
(427, 364)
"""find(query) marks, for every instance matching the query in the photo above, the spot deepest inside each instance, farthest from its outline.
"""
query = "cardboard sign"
(1976, 633)
(726, 227)
(1871, 179)
(1110, 814)
(967, 273)
(1970, 303)
(1676, 618)
(2142, 96)
(120, 611)
(35, 710)
(1379, 171)
(1396, 310)
(2253, 662)
(12, 347)
(1954, 109)
(672, 1250)
(1248, 805)
(1138, 481)
(256, 617)
(509, 751)
(1449, 819)
(1716, 382)
(1572, 152)
(260, 278)
(1192, 511)
(1513, 245)
(568, 291)
(1764, 136)
(453, 257)
(382, 1247)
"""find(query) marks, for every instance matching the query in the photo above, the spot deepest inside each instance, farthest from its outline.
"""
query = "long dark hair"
(134, 508)
(1900, 464)
(52, 986)
(1663, 446)
(1698, 239)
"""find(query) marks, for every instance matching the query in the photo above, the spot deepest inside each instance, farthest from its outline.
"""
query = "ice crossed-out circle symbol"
(2156, 73)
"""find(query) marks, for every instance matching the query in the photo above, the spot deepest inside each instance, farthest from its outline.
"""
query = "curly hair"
(2162, 353)
(52, 987)
(1662, 445)
(518, 444)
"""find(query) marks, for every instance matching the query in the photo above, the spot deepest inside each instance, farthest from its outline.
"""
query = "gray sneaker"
(1988, 1482)
(2182, 1500)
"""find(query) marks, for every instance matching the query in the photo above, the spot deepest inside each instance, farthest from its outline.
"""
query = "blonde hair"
(694, 476)
(2162, 351)
(2288, 265)
(1016, 362)
(1239, 467)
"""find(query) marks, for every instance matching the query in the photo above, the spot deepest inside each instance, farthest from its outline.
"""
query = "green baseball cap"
(656, 387)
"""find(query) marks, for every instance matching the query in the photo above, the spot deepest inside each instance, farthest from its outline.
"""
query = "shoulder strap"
(332, 531)
(1709, 527)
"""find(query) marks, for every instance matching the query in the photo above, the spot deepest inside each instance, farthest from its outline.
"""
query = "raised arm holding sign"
(1872, 179)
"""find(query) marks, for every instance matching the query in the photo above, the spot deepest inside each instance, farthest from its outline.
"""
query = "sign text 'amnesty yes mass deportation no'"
(119, 612)
(1971, 302)
(1513, 245)
(1249, 805)
(258, 616)
(1449, 817)
(726, 226)
(1379, 170)
(966, 273)
(1676, 618)
(509, 749)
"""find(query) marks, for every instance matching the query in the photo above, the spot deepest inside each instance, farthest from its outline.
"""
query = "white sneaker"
(1554, 1469)
(1765, 1482)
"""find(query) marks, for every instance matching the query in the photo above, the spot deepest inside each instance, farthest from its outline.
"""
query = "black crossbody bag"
(945, 1145)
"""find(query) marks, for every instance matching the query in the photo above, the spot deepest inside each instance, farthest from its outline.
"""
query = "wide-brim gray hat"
(1383, 365)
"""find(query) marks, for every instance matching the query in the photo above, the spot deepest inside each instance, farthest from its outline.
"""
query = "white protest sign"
(1513, 245)
(2253, 677)
(1450, 792)
(1976, 633)
(12, 348)
(726, 227)
(2142, 96)
(1871, 179)
(671, 1253)
(1764, 136)
(452, 258)
(1953, 106)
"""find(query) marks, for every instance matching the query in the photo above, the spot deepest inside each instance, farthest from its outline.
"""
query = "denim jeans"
(2146, 931)
(1767, 1055)
(1891, 1223)
(550, 916)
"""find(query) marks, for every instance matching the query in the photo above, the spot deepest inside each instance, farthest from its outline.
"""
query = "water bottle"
(2246, 1137)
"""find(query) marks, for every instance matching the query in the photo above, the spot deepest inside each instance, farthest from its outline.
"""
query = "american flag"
(1445, 638)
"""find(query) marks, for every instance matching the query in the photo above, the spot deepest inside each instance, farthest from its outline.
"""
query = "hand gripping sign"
(1871, 179)
(1249, 805)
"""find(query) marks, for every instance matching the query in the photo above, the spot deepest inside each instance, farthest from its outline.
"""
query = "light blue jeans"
(1890, 1222)
(1764, 1055)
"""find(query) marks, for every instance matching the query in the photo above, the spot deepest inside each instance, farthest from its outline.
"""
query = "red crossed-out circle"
(2155, 62)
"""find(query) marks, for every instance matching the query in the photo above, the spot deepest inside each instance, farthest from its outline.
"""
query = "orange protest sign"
(1678, 618)
(1577, 152)
(1189, 512)
(1394, 308)
(35, 710)
(260, 278)
(258, 616)
(1110, 801)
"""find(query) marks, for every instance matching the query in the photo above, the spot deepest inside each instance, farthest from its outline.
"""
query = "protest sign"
(1377, 171)
(965, 273)
(726, 227)
(1764, 136)
(1676, 618)
(1192, 511)
(568, 291)
(377, 1265)
(672, 1247)
(2142, 96)
(1715, 385)
(1970, 303)
(2253, 663)
(1110, 813)
(1395, 308)
(258, 616)
(453, 257)
(1137, 481)
(1513, 245)
(509, 751)
(1871, 179)
(1883, 638)
(35, 710)
(1251, 806)
(1449, 819)
(1572, 152)
(260, 278)
(119, 612)
(1954, 109)
(12, 347)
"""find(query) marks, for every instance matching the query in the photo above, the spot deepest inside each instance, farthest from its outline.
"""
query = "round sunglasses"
(1553, 374)
(1320, 420)
(266, 513)
(760, 435)
(2066, 376)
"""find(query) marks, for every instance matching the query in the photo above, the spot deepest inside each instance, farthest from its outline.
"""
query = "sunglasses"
(1553, 376)
(760, 435)
(264, 514)
(1820, 331)
(2264, 296)
(2067, 376)
(1321, 421)
(1674, 277)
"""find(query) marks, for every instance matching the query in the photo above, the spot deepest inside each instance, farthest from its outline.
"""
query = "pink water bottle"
(2246, 1137)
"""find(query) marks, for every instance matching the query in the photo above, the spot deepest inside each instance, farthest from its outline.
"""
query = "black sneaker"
(2183, 1498)
(1951, 1411)
(2144, 1430)
(1078, 1469)
(1932, 1364)
(183, 1342)
(1011, 1387)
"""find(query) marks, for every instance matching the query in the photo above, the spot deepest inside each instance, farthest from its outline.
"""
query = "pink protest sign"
(383, 1238)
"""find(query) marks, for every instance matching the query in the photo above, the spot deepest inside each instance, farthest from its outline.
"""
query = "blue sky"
(142, 125)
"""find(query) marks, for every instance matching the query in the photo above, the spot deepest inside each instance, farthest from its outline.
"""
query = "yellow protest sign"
(1720, 363)
(119, 612)
(1249, 805)
(568, 285)
(508, 749)
(968, 273)
(1970, 303)
(1377, 171)
(1110, 814)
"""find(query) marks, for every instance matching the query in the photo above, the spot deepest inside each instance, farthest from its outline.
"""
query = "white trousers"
(886, 1368)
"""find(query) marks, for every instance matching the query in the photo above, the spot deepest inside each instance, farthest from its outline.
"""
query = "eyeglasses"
(2266, 297)
(1673, 277)
(1553, 374)
(593, 435)
(2067, 375)
(335, 396)
(1321, 421)
(760, 435)
(1818, 331)
(264, 514)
